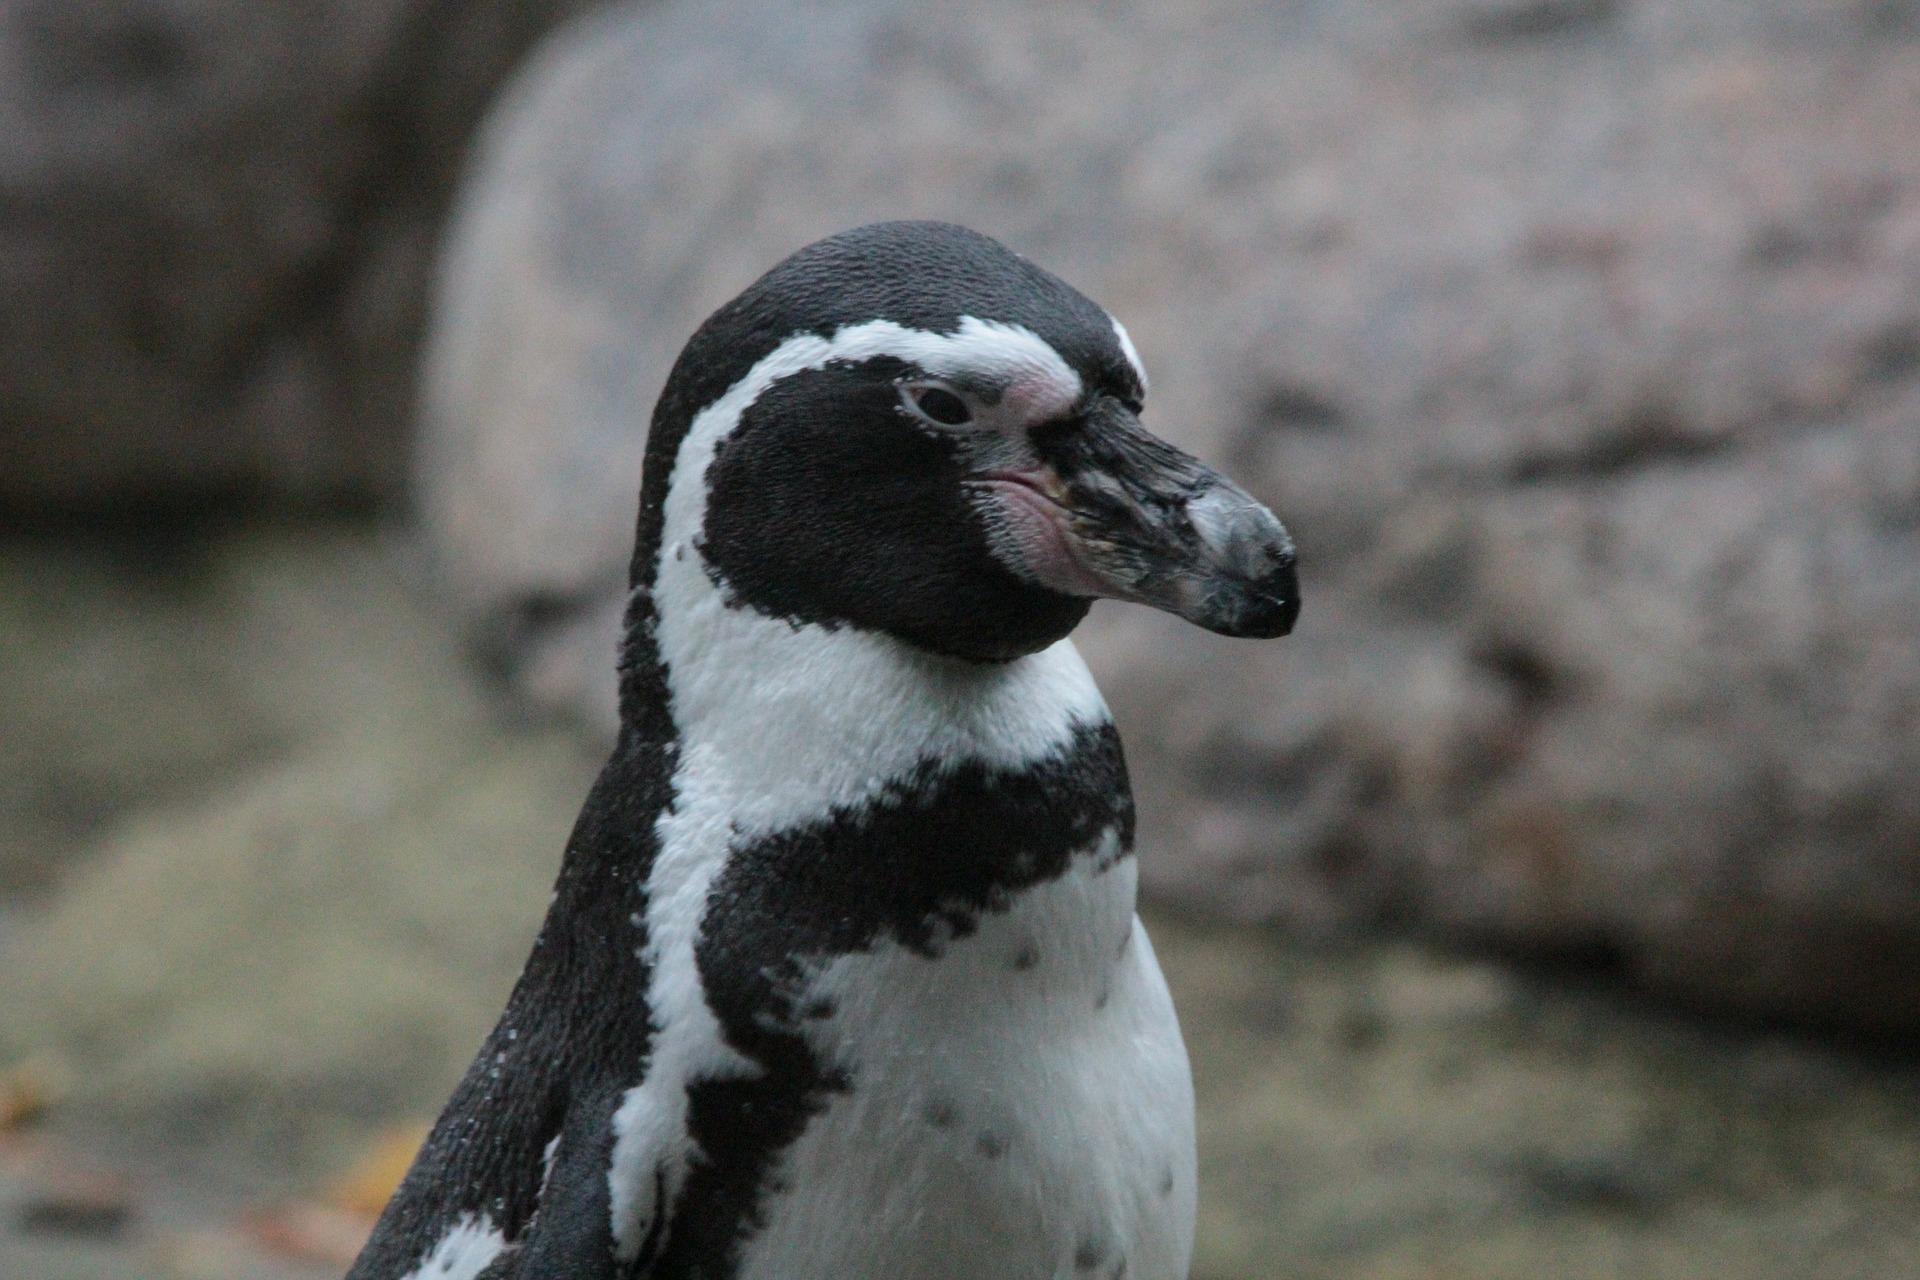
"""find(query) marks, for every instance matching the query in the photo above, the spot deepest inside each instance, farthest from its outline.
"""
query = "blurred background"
(1548, 905)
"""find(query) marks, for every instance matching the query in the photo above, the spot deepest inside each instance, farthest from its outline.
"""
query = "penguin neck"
(794, 722)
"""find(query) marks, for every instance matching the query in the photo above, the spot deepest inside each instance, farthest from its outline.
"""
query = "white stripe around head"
(1132, 354)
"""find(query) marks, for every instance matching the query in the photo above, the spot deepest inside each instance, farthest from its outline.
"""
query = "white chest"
(1019, 1106)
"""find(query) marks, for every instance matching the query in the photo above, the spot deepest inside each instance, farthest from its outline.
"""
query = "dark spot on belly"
(941, 1113)
(1092, 1251)
(1166, 1181)
(819, 1008)
(991, 1145)
(1106, 994)
(1027, 957)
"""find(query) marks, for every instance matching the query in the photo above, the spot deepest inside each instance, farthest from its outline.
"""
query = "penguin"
(842, 977)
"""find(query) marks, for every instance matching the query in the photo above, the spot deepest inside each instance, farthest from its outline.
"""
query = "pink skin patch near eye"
(1035, 523)
(1035, 395)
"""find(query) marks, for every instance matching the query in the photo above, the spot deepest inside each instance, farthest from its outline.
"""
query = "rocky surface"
(1576, 338)
(216, 223)
(252, 975)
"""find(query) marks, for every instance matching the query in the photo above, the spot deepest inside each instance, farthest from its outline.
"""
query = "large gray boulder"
(1577, 339)
(216, 224)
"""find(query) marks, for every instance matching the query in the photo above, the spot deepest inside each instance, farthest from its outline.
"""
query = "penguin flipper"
(477, 1176)
(572, 1234)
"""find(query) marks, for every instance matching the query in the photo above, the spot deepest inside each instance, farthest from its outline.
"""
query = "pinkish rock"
(1578, 341)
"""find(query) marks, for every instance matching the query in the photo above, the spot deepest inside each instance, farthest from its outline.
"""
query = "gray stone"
(216, 221)
(1577, 340)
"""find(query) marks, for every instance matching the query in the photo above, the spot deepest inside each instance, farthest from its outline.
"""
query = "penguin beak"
(1113, 511)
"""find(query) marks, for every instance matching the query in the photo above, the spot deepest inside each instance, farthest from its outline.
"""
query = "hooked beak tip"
(1266, 609)
(1255, 586)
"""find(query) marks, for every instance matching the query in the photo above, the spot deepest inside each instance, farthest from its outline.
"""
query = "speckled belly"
(1018, 1106)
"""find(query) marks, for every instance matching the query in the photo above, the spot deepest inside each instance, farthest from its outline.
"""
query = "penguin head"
(907, 428)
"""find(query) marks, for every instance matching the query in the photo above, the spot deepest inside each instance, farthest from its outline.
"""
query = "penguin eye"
(936, 404)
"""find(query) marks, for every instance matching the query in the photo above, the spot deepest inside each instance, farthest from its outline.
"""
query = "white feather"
(1085, 1105)
(463, 1253)
(1128, 350)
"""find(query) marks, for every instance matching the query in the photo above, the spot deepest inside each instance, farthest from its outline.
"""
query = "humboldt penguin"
(842, 977)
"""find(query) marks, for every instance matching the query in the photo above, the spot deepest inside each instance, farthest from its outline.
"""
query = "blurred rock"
(215, 225)
(1577, 339)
